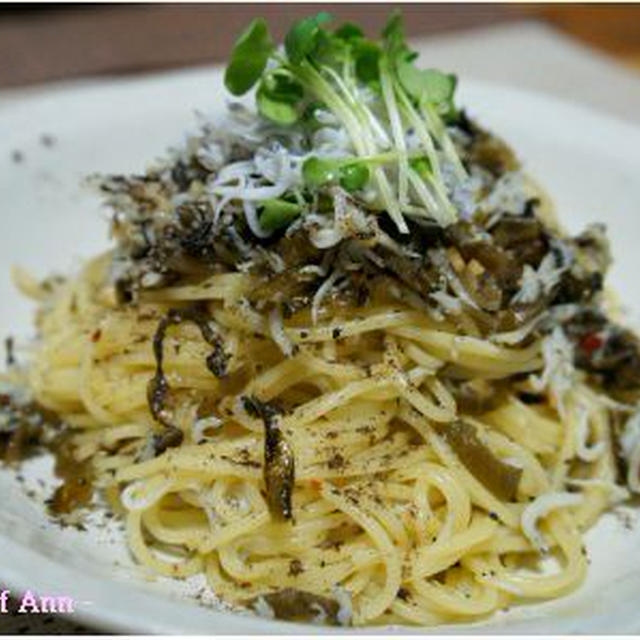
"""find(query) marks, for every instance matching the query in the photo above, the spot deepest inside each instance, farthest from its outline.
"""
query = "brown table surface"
(41, 43)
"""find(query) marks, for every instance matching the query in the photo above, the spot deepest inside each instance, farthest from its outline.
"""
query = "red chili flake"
(591, 342)
(315, 484)
(95, 336)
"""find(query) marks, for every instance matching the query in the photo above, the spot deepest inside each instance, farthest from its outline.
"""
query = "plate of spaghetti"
(341, 363)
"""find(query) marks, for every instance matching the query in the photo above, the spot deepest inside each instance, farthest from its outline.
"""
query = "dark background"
(41, 42)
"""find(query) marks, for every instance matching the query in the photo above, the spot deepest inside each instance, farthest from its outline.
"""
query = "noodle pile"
(383, 508)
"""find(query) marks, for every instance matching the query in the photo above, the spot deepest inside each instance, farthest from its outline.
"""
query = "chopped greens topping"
(372, 94)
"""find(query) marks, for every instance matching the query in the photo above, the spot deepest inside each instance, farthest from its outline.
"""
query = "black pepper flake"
(9, 351)
(527, 397)
(47, 140)
(252, 464)
(403, 594)
(336, 462)
(295, 568)
(530, 207)
(493, 515)
(336, 333)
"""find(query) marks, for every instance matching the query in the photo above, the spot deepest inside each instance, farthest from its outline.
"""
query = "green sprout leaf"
(429, 85)
(279, 111)
(329, 49)
(422, 166)
(310, 115)
(317, 172)
(394, 28)
(349, 31)
(303, 37)
(366, 55)
(278, 96)
(281, 86)
(249, 58)
(393, 35)
(354, 176)
(363, 52)
(278, 213)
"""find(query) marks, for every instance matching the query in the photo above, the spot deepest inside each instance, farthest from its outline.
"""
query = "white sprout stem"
(431, 116)
(417, 212)
(375, 128)
(378, 129)
(364, 136)
(377, 159)
(318, 85)
(423, 133)
(421, 129)
(365, 133)
(397, 132)
(434, 203)
(442, 197)
(393, 207)
(427, 198)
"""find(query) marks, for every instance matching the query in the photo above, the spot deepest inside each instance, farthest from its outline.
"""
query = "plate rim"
(160, 613)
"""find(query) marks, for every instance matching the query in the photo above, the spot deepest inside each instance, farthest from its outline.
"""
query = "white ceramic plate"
(588, 162)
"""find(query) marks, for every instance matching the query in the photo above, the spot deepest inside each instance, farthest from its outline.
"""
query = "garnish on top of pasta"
(341, 359)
